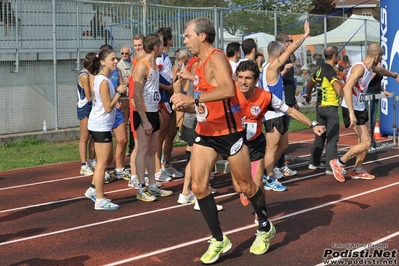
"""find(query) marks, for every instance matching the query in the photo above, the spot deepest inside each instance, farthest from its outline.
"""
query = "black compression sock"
(259, 204)
(210, 213)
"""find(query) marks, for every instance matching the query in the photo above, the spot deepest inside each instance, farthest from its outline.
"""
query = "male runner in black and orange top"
(220, 131)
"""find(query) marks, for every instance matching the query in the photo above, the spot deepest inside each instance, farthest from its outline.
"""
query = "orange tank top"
(217, 118)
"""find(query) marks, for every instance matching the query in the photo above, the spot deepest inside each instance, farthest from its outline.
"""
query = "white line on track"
(124, 189)
(43, 182)
(193, 241)
(251, 226)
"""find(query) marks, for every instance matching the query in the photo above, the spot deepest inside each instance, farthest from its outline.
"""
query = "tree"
(261, 18)
(185, 3)
(376, 12)
(323, 7)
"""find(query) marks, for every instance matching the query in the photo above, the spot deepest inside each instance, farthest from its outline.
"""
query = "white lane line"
(346, 167)
(179, 206)
(248, 226)
(378, 241)
(222, 196)
(43, 182)
(58, 201)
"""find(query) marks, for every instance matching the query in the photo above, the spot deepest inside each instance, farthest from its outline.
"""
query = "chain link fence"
(44, 41)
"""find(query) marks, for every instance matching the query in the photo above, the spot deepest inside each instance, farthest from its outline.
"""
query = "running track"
(46, 220)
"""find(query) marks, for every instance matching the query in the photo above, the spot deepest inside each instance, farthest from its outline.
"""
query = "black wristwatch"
(119, 92)
(395, 75)
(313, 124)
(196, 99)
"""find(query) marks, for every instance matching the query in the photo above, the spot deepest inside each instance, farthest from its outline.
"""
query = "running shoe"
(287, 171)
(314, 167)
(190, 198)
(274, 185)
(134, 182)
(244, 200)
(108, 178)
(161, 176)
(172, 172)
(262, 241)
(147, 181)
(92, 164)
(197, 207)
(337, 170)
(86, 170)
(329, 172)
(277, 173)
(362, 175)
(145, 195)
(215, 249)
(157, 192)
(124, 174)
(105, 205)
(91, 194)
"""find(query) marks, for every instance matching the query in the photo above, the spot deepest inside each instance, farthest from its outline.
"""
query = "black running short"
(225, 146)
(280, 123)
(153, 118)
(361, 116)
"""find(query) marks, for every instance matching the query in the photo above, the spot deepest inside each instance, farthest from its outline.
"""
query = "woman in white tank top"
(100, 123)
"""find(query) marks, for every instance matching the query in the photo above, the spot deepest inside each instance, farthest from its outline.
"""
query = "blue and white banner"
(389, 31)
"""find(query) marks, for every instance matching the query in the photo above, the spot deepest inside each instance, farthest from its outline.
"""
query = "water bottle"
(44, 125)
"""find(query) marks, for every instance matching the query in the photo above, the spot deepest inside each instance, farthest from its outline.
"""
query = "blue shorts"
(119, 118)
(84, 111)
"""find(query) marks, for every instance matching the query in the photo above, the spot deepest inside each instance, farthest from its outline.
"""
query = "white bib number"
(251, 128)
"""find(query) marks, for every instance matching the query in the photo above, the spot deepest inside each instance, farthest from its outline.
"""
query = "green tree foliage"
(323, 7)
(261, 18)
(376, 12)
(186, 3)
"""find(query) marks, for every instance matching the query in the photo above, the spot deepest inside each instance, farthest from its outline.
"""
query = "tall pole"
(343, 11)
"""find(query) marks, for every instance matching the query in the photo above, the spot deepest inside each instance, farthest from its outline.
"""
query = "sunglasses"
(291, 41)
(125, 53)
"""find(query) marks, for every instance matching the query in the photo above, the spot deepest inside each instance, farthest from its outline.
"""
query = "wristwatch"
(395, 75)
(313, 124)
(196, 99)
(119, 92)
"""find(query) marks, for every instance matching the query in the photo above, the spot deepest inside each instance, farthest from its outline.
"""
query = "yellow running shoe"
(215, 249)
(262, 241)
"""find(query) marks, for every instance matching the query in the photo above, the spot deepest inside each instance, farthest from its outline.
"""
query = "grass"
(30, 152)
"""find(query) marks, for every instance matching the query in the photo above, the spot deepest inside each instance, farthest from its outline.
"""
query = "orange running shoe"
(337, 170)
(244, 200)
(362, 175)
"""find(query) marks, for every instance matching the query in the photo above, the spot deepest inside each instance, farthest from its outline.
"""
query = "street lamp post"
(343, 9)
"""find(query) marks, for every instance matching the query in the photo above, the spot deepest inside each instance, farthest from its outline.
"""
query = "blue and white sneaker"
(273, 184)
(105, 205)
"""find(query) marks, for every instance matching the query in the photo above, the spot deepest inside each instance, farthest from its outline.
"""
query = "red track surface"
(46, 220)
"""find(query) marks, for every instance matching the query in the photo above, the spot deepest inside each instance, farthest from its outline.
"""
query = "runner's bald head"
(374, 49)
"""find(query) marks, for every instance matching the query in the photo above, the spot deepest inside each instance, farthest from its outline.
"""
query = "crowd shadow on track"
(383, 169)
(76, 261)
(29, 211)
(22, 234)
(298, 225)
(298, 147)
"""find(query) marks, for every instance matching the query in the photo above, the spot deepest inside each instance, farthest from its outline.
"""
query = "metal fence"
(43, 42)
